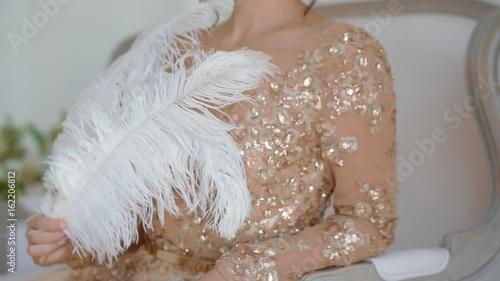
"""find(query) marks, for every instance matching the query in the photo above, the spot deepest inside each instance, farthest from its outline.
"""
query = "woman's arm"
(357, 129)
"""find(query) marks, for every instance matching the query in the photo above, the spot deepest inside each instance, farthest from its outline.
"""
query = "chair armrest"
(403, 265)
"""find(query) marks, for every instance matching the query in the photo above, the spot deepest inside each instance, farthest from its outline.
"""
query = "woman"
(322, 129)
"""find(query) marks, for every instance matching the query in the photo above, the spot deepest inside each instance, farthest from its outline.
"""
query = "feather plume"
(141, 136)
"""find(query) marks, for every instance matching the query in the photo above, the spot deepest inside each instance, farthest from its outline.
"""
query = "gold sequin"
(363, 62)
(307, 82)
(275, 87)
(345, 37)
(348, 144)
(333, 50)
(261, 98)
(255, 113)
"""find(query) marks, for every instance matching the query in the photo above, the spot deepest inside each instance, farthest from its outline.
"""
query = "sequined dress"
(320, 133)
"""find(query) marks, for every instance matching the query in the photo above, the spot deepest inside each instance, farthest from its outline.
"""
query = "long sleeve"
(356, 136)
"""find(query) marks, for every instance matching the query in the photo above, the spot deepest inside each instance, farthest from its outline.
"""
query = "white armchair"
(445, 58)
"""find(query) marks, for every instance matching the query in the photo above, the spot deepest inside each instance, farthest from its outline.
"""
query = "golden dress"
(319, 133)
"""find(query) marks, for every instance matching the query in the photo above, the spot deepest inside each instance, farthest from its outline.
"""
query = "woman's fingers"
(57, 256)
(43, 237)
(39, 221)
(38, 250)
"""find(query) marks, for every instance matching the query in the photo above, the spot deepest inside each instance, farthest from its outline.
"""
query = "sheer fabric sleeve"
(356, 129)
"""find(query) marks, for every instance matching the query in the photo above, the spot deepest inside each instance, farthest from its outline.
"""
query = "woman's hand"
(43, 235)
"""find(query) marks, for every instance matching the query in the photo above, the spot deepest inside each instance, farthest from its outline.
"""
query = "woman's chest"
(277, 131)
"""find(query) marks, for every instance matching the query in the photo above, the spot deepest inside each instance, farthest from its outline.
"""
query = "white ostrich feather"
(141, 134)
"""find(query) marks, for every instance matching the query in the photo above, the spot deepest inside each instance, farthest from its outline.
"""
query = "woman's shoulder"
(342, 46)
(349, 57)
(348, 34)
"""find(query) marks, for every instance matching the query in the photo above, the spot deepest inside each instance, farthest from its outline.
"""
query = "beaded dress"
(320, 133)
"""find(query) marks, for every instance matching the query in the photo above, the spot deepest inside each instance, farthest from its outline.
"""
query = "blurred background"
(51, 49)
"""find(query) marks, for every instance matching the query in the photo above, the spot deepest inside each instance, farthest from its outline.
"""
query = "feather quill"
(141, 136)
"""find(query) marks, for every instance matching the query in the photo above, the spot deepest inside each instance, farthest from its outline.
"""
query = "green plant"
(15, 155)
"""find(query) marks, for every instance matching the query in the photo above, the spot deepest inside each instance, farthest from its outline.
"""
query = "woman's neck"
(254, 17)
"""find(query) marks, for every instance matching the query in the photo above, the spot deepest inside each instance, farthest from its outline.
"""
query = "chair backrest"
(445, 60)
